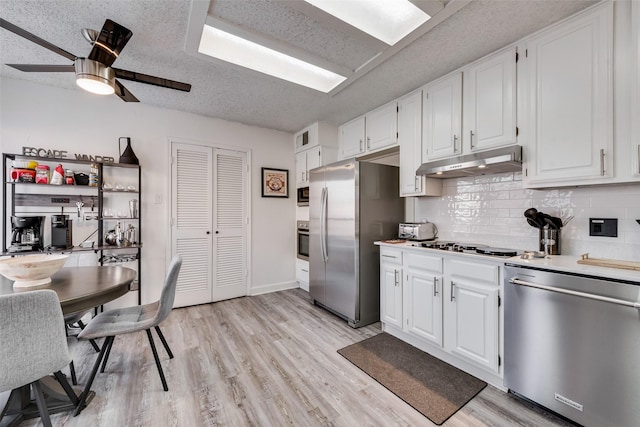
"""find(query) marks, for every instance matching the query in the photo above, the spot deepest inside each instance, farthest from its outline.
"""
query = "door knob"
(208, 232)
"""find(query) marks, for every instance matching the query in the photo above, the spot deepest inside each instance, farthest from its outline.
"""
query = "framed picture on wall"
(275, 182)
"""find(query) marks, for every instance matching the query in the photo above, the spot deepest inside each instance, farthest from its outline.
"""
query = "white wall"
(490, 210)
(42, 116)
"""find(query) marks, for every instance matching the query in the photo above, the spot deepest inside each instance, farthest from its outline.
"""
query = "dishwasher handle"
(626, 303)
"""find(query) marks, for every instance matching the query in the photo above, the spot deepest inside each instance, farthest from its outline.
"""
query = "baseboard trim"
(274, 287)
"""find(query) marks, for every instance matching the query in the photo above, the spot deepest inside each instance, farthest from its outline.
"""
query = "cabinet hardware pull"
(435, 286)
(632, 304)
(455, 143)
(452, 291)
(395, 277)
(471, 138)
(389, 256)
(417, 181)
(361, 147)
(602, 161)
(305, 270)
(368, 143)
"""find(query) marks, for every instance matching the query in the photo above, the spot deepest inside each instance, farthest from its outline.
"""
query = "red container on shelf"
(43, 175)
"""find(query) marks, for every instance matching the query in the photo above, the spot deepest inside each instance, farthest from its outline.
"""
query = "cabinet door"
(476, 323)
(472, 312)
(351, 138)
(313, 160)
(442, 124)
(391, 293)
(423, 296)
(410, 141)
(382, 127)
(569, 89)
(635, 89)
(301, 169)
(489, 102)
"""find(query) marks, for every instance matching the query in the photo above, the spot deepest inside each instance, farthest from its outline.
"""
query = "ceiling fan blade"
(37, 40)
(111, 40)
(124, 93)
(43, 68)
(156, 81)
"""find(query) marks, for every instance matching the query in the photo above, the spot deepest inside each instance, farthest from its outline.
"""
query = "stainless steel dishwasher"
(572, 344)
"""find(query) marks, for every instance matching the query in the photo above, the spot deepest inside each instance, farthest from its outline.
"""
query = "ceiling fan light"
(95, 77)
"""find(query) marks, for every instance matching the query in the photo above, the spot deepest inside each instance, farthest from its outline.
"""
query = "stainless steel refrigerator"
(351, 205)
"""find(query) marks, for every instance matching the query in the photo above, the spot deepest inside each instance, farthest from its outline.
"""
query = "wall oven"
(303, 196)
(303, 240)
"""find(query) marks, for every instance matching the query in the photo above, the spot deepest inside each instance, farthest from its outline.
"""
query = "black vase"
(128, 156)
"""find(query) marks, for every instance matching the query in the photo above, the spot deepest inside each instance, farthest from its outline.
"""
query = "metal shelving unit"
(13, 197)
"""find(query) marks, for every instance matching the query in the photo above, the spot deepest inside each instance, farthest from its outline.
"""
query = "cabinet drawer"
(390, 255)
(476, 271)
(302, 270)
(426, 262)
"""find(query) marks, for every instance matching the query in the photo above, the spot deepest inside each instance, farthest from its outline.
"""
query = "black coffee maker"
(61, 237)
(26, 233)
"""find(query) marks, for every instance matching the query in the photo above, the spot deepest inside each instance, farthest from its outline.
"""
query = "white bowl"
(31, 270)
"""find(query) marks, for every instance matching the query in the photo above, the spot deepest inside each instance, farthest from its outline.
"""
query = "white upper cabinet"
(489, 102)
(310, 159)
(372, 132)
(382, 127)
(351, 138)
(568, 114)
(315, 145)
(635, 89)
(442, 120)
(626, 95)
(410, 141)
(318, 133)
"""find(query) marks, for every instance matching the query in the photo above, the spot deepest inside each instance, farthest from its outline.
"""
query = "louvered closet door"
(192, 175)
(230, 224)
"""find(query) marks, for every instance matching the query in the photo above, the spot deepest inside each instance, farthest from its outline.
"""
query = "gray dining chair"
(70, 320)
(33, 345)
(126, 320)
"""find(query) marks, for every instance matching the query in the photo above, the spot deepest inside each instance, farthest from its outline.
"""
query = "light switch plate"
(606, 227)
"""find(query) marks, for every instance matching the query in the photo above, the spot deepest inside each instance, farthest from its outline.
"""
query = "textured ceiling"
(230, 92)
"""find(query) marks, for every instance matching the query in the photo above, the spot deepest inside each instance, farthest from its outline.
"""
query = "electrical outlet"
(606, 227)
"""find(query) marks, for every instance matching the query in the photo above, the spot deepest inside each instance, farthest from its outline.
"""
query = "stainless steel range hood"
(507, 159)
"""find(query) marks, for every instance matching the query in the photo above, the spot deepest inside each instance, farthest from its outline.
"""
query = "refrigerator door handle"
(323, 224)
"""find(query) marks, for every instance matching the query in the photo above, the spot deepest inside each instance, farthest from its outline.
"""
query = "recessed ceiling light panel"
(228, 47)
(386, 20)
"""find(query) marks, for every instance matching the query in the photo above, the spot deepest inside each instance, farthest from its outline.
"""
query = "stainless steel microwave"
(303, 196)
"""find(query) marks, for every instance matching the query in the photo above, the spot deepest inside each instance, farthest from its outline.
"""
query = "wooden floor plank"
(268, 360)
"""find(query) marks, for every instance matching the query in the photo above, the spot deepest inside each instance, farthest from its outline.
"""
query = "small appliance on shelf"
(26, 233)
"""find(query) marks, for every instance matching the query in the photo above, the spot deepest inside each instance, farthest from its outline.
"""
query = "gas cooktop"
(470, 248)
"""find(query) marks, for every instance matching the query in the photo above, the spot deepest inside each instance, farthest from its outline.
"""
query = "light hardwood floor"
(268, 360)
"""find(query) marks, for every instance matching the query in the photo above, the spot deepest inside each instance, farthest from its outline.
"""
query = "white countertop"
(569, 263)
(560, 263)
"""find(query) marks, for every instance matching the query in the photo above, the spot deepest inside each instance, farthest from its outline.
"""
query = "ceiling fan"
(94, 73)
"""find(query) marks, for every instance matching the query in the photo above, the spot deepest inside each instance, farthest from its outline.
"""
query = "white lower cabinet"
(422, 296)
(472, 312)
(302, 274)
(447, 305)
(391, 286)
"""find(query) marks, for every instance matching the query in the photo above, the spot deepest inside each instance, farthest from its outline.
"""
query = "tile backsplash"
(489, 209)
